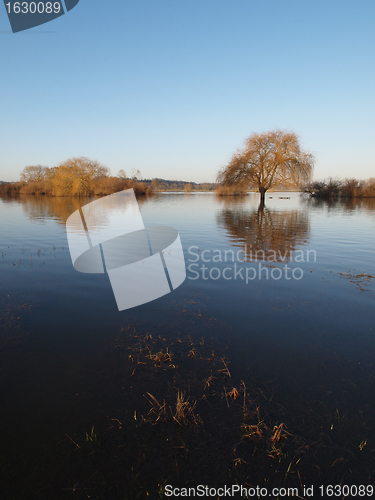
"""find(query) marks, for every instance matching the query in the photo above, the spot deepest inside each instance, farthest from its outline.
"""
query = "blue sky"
(173, 87)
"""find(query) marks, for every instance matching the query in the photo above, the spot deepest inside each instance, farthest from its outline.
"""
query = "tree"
(188, 188)
(136, 174)
(77, 176)
(33, 173)
(156, 185)
(121, 174)
(267, 160)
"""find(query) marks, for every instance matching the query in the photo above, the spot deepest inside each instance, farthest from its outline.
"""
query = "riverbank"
(105, 186)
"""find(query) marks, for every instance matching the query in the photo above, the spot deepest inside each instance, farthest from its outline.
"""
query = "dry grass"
(161, 357)
(208, 382)
(254, 431)
(278, 433)
(234, 394)
(184, 411)
(187, 427)
(271, 441)
(193, 353)
(158, 411)
(225, 371)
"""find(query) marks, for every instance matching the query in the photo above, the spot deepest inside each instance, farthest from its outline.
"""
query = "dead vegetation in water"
(175, 408)
(199, 421)
(161, 357)
(182, 412)
(196, 393)
(234, 394)
(361, 280)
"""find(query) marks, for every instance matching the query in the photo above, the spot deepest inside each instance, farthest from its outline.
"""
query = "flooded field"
(257, 371)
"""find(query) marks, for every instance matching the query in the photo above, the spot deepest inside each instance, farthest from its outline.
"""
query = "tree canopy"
(77, 176)
(268, 159)
(33, 173)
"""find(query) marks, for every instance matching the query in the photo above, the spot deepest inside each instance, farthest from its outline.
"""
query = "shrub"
(369, 188)
(349, 188)
(40, 187)
(230, 190)
(324, 189)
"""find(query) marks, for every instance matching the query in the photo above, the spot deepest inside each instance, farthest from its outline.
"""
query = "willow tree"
(268, 159)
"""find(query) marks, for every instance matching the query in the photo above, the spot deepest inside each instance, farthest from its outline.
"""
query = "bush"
(109, 185)
(74, 177)
(324, 189)
(349, 188)
(41, 187)
(230, 190)
(369, 188)
(10, 187)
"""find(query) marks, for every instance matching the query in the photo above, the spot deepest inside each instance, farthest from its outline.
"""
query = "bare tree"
(121, 174)
(267, 160)
(33, 173)
(136, 174)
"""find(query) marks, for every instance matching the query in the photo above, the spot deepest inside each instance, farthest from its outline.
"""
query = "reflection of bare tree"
(49, 207)
(265, 234)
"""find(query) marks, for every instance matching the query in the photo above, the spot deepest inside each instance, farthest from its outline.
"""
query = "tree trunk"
(262, 196)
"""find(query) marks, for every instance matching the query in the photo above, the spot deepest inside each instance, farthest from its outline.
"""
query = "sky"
(173, 87)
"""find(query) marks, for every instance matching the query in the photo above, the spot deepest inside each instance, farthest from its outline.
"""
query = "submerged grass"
(179, 412)
(195, 429)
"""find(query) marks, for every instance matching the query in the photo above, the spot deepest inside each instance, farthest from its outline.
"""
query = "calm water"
(311, 331)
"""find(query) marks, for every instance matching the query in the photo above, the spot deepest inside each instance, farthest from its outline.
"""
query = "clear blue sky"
(172, 87)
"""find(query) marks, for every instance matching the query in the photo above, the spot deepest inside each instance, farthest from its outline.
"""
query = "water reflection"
(59, 208)
(264, 233)
(366, 205)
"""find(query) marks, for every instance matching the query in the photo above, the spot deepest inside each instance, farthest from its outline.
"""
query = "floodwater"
(287, 291)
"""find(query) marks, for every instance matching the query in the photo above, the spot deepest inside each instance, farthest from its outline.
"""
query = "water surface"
(310, 331)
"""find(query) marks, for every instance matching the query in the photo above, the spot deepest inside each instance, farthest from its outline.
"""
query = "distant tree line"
(74, 177)
(85, 177)
(158, 184)
(272, 160)
(347, 188)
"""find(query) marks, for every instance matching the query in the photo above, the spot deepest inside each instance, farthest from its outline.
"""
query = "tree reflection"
(59, 208)
(264, 233)
(346, 205)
